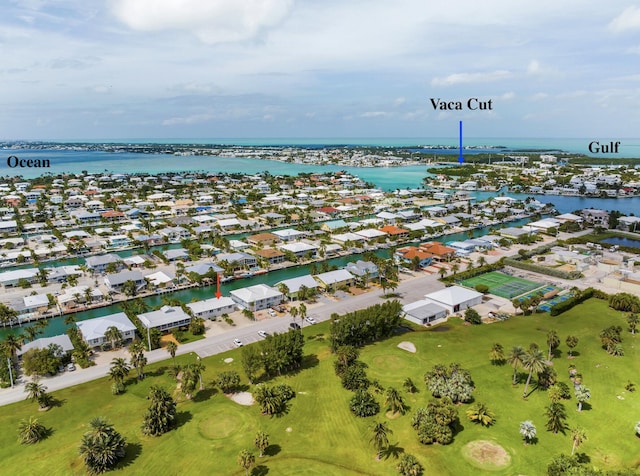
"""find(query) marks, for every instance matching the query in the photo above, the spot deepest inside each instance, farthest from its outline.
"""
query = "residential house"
(363, 270)
(212, 308)
(165, 318)
(98, 264)
(335, 279)
(272, 255)
(295, 284)
(93, 330)
(257, 297)
(115, 282)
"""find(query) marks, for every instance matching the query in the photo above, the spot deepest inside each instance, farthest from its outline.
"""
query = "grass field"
(501, 284)
(319, 435)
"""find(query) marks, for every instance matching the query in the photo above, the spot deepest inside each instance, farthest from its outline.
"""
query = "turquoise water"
(56, 325)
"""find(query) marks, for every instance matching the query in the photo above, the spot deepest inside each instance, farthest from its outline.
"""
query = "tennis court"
(546, 307)
(502, 284)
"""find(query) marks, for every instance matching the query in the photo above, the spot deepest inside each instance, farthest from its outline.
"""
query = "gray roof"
(163, 316)
(95, 328)
(360, 268)
(42, 343)
(423, 309)
(294, 284)
(93, 261)
(123, 277)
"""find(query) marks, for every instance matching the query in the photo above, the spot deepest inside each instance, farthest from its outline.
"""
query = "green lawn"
(319, 435)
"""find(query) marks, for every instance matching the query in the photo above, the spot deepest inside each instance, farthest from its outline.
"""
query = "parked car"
(71, 367)
(310, 320)
(272, 313)
(294, 325)
(263, 333)
(237, 342)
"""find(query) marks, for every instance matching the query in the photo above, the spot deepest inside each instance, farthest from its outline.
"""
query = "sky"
(118, 69)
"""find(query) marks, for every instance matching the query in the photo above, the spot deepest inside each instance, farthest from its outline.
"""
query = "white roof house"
(44, 342)
(294, 284)
(165, 318)
(455, 298)
(370, 233)
(93, 330)
(289, 234)
(11, 278)
(212, 307)
(35, 302)
(257, 297)
(337, 277)
(299, 248)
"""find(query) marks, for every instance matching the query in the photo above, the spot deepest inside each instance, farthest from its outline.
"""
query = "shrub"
(482, 288)
(363, 404)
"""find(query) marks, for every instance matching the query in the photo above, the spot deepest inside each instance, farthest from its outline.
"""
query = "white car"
(263, 333)
(272, 313)
(237, 342)
(310, 320)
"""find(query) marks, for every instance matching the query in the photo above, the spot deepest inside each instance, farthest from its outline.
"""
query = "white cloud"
(372, 114)
(212, 21)
(194, 119)
(539, 96)
(629, 19)
(467, 78)
(399, 101)
(508, 96)
(533, 67)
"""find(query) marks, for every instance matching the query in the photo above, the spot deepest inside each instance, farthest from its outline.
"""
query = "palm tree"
(37, 392)
(113, 335)
(442, 272)
(556, 417)
(294, 312)
(571, 342)
(380, 437)
(246, 460)
(578, 436)
(70, 319)
(394, 401)
(302, 311)
(582, 395)
(262, 442)
(172, 347)
(632, 321)
(12, 344)
(480, 413)
(553, 341)
(102, 446)
(515, 359)
(528, 431)
(496, 354)
(31, 431)
(409, 386)
(533, 361)
(161, 414)
(118, 372)
(284, 289)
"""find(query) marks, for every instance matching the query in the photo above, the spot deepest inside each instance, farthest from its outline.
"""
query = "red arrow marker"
(218, 293)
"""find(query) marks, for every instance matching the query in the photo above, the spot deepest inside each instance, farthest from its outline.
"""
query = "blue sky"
(77, 69)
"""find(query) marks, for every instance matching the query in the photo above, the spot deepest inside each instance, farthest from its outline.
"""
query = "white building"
(257, 297)
(165, 318)
(93, 330)
(212, 308)
(423, 312)
(455, 298)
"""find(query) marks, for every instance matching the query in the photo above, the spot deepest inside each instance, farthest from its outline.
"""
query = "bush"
(472, 317)
(363, 404)
(482, 288)
(579, 298)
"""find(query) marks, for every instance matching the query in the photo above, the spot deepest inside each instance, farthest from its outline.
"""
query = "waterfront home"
(212, 308)
(62, 340)
(272, 256)
(423, 312)
(289, 234)
(263, 239)
(295, 284)
(439, 251)
(115, 282)
(569, 217)
(595, 217)
(363, 270)
(629, 223)
(160, 279)
(203, 268)
(257, 297)
(75, 295)
(93, 330)
(240, 259)
(61, 274)
(370, 234)
(455, 298)
(394, 232)
(174, 233)
(177, 254)
(13, 278)
(98, 264)
(300, 249)
(165, 318)
(8, 226)
(37, 303)
(118, 241)
(515, 233)
(546, 225)
(410, 255)
(335, 279)
(334, 225)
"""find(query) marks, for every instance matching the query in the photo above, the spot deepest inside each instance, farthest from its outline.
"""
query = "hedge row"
(556, 273)
(536, 251)
(472, 273)
(577, 299)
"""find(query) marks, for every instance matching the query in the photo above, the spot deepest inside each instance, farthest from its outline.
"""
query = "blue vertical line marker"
(461, 158)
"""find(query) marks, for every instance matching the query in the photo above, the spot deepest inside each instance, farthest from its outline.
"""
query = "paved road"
(411, 289)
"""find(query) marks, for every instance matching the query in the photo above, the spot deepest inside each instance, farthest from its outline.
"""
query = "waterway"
(629, 242)
(57, 326)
